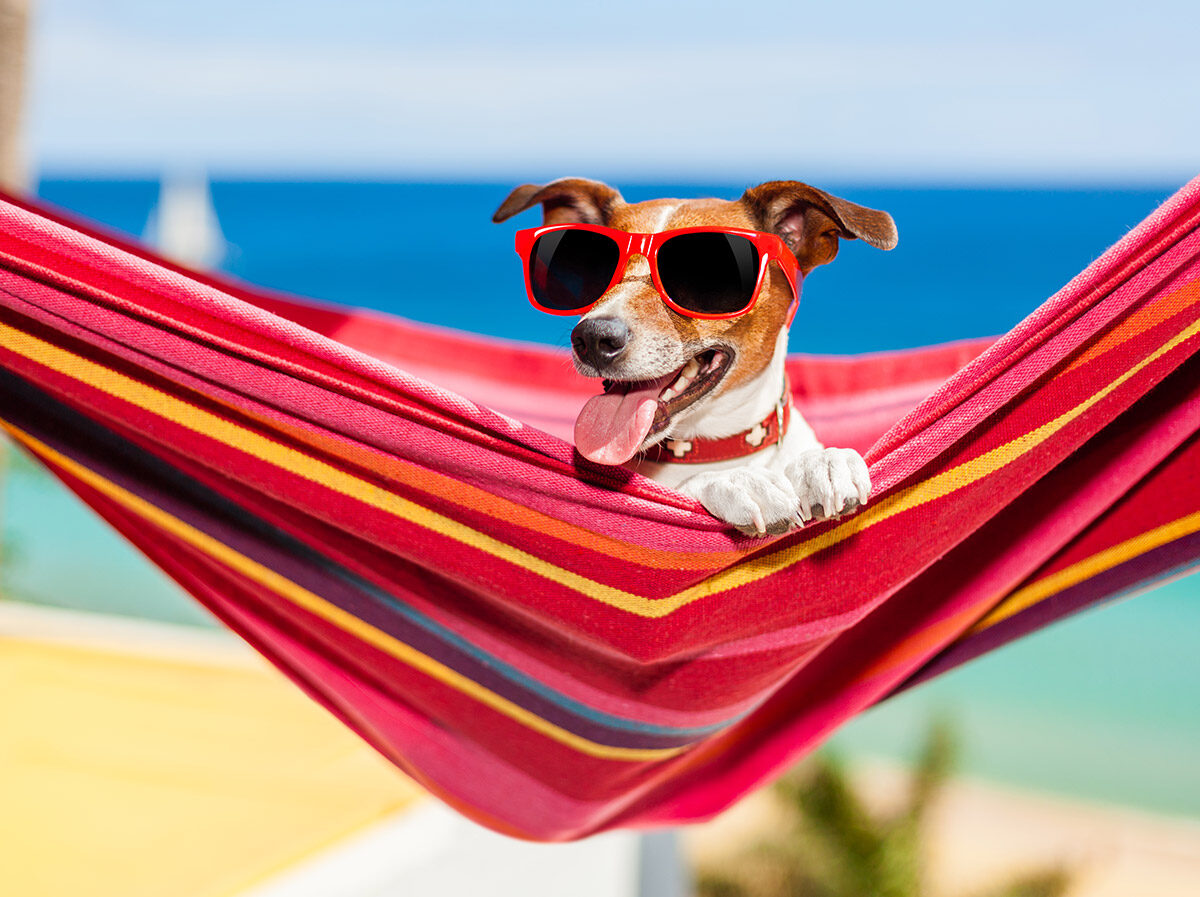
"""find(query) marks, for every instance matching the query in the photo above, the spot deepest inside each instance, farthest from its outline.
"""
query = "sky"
(937, 91)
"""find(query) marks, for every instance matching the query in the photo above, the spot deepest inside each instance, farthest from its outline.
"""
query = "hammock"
(553, 647)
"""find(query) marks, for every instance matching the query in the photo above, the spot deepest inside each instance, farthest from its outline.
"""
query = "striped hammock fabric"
(553, 647)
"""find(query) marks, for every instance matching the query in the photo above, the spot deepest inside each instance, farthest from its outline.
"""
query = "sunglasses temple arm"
(795, 279)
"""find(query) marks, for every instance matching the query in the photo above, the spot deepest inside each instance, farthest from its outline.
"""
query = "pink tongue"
(612, 426)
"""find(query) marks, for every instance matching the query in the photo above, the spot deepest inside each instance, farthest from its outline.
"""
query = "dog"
(695, 392)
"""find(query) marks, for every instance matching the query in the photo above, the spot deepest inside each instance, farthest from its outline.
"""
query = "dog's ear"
(811, 221)
(565, 201)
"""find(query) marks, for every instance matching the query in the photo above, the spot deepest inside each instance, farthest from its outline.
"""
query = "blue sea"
(1102, 706)
(971, 262)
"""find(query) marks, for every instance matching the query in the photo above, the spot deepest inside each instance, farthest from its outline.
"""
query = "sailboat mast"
(14, 40)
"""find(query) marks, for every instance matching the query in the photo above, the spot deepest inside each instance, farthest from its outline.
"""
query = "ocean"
(1101, 706)
(971, 262)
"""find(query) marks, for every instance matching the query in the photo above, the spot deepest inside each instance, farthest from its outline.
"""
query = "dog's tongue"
(612, 426)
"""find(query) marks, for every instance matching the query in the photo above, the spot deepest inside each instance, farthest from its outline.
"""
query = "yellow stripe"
(295, 462)
(743, 573)
(918, 494)
(1098, 563)
(937, 633)
(318, 606)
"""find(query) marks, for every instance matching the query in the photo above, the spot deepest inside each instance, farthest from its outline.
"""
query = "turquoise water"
(1102, 705)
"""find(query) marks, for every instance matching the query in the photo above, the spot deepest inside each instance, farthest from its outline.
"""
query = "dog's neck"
(740, 408)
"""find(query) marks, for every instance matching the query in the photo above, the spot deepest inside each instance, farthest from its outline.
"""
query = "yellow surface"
(145, 777)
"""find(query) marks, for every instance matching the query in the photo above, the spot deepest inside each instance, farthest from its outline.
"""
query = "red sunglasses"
(700, 272)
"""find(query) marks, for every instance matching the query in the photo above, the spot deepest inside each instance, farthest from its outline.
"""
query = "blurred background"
(355, 153)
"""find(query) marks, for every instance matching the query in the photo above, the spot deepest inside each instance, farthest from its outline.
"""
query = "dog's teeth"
(691, 370)
(668, 394)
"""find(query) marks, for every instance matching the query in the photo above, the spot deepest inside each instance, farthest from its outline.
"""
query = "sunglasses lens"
(570, 269)
(709, 273)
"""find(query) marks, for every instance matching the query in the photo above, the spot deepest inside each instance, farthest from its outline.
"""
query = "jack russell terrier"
(686, 307)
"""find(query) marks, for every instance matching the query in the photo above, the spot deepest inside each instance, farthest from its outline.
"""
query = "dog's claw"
(830, 482)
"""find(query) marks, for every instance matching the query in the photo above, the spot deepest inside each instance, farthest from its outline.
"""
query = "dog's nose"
(599, 341)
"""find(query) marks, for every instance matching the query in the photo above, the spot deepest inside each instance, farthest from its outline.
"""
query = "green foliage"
(11, 462)
(10, 556)
(1047, 883)
(830, 845)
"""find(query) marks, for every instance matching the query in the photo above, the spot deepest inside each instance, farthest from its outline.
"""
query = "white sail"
(184, 226)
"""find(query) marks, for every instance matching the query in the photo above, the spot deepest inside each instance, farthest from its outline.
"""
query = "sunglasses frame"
(771, 248)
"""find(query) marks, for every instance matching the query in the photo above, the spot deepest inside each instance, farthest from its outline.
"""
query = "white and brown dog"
(701, 404)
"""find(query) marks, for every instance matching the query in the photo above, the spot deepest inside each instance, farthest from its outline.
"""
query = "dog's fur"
(781, 486)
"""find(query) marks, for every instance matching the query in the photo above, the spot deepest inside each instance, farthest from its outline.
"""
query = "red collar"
(766, 432)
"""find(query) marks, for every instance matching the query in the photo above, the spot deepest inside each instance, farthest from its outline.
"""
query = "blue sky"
(925, 91)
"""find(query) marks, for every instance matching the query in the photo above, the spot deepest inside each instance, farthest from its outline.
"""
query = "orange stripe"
(1100, 562)
(284, 456)
(736, 574)
(939, 633)
(468, 496)
(475, 498)
(332, 614)
(1140, 321)
(431, 482)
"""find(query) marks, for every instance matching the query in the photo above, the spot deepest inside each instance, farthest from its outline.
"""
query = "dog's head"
(661, 368)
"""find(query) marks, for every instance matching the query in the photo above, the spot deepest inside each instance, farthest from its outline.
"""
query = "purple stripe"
(1166, 560)
(153, 480)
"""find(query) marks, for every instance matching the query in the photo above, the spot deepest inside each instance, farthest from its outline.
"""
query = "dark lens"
(570, 269)
(709, 273)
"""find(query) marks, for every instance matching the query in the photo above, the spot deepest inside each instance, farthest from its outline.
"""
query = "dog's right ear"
(565, 201)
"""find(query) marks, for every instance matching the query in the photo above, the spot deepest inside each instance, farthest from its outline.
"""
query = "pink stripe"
(1167, 225)
(1012, 375)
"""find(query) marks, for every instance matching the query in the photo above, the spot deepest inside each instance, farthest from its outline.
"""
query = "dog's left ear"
(811, 221)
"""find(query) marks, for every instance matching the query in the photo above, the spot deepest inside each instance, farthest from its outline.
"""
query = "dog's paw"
(757, 502)
(829, 482)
